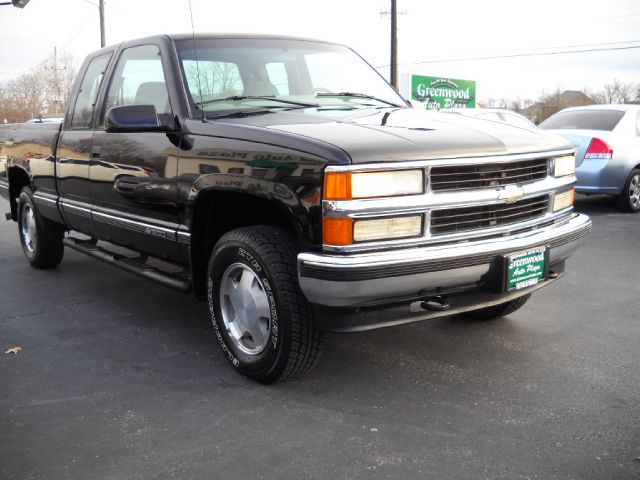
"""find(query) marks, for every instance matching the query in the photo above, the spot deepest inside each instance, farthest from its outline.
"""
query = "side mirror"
(136, 118)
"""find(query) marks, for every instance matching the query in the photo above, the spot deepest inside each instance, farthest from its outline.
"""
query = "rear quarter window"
(583, 120)
(88, 92)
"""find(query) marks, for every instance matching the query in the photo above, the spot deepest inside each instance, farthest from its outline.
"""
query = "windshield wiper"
(355, 95)
(273, 98)
(239, 113)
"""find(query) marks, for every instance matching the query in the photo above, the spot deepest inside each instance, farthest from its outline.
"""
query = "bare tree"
(28, 91)
(43, 91)
(618, 92)
(9, 109)
(550, 103)
(59, 79)
(597, 96)
(215, 79)
(504, 103)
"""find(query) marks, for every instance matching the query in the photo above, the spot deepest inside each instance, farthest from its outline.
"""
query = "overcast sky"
(428, 31)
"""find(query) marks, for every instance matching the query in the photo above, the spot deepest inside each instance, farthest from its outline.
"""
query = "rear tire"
(263, 322)
(629, 199)
(501, 310)
(41, 238)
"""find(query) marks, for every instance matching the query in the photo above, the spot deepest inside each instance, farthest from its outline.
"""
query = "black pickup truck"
(286, 183)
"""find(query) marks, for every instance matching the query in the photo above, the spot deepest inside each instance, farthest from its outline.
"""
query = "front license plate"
(525, 269)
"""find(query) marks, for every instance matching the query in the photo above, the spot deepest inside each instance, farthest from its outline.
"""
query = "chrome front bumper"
(360, 280)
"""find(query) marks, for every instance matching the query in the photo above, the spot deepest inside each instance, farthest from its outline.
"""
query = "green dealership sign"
(437, 93)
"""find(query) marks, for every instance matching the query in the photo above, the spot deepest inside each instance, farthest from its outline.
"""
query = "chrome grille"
(466, 177)
(455, 220)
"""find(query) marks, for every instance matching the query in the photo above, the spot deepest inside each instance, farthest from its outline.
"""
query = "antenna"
(195, 52)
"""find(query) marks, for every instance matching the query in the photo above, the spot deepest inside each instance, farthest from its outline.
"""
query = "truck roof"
(207, 36)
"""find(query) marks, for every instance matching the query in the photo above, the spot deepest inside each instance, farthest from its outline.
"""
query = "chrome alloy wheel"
(245, 309)
(28, 230)
(634, 192)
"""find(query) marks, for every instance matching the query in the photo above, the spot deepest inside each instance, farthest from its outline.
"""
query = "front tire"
(501, 310)
(263, 322)
(41, 239)
(629, 199)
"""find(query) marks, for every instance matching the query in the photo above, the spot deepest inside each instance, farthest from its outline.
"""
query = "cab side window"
(88, 93)
(138, 79)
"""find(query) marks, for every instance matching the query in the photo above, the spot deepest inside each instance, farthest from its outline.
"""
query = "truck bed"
(30, 147)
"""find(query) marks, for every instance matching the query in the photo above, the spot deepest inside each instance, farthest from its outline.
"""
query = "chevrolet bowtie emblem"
(511, 195)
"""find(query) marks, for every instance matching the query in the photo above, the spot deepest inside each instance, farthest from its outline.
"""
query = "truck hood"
(395, 134)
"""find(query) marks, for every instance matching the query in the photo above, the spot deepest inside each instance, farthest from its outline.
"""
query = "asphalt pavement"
(121, 378)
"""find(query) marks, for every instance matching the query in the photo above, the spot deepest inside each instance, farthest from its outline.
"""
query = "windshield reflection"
(237, 74)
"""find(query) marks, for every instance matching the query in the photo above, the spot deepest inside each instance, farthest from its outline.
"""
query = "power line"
(47, 58)
(30, 69)
(515, 55)
(82, 27)
(622, 16)
(578, 45)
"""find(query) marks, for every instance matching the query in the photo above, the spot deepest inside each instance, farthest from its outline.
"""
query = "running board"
(129, 264)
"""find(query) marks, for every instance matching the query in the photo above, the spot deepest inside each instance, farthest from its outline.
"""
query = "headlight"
(387, 228)
(348, 186)
(563, 200)
(345, 231)
(564, 166)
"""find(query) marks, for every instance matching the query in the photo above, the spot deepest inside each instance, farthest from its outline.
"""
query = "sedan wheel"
(634, 192)
(629, 199)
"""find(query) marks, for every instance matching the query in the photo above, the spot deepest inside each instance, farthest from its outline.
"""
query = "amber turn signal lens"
(337, 186)
(337, 231)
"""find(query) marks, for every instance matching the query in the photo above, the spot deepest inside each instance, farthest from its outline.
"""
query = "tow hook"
(435, 304)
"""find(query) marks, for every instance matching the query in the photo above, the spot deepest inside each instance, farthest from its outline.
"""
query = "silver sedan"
(607, 142)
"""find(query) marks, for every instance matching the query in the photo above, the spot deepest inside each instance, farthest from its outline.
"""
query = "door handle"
(95, 152)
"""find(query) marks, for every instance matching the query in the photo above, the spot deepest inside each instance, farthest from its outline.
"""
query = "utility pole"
(57, 95)
(56, 83)
(394, 45)
(16, 3)
(393, 64)
(101, 7)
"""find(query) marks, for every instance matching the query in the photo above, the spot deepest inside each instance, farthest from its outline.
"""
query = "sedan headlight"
(563, 166)
(388, 183)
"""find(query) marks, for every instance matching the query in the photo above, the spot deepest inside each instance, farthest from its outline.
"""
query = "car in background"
(607, 142)
(46, 120)
(495, 114)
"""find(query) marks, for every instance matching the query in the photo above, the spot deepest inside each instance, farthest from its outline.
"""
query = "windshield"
(583, 120)
(240, 74)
